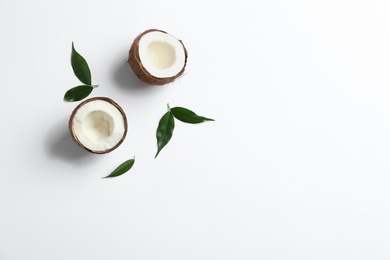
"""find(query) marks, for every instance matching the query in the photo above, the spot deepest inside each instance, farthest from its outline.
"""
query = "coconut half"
(98, 125)
(157, 57)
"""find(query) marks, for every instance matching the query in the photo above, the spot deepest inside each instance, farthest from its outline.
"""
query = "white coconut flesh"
(161, 54)
(98, 125)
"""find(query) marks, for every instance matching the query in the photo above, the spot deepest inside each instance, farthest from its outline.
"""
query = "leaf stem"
(94, 86)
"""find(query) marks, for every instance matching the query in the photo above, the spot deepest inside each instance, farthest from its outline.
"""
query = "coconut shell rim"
(108, 100)
(141, 72)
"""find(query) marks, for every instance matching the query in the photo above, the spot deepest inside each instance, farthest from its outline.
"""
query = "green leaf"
(80, 67)
(78, 93)
(164, 130)
(187, 116)
(121, 169)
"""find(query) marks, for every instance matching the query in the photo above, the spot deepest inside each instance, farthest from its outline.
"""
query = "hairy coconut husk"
(139, 70)
(70, 124)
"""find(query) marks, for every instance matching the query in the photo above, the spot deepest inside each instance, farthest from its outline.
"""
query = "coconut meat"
(98, 125)
(161, 54)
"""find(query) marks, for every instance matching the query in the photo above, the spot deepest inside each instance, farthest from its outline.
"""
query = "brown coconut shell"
(70, 124)
(140, 71)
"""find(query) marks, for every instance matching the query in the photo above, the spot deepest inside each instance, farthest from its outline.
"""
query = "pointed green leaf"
(164, 131)
(78, 93)
(187, 116)
(121, 169)
(80, 67)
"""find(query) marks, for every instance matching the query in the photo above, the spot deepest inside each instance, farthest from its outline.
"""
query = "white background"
(296, 165)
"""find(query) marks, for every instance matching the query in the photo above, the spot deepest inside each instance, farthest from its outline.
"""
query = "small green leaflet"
(78, 93)
(121, 169)
(164, 130)
(80, 67)
(187, 116)
(167, 124)
(82, 72)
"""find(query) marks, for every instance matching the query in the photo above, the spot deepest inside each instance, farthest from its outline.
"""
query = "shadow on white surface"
(60, 145)
(126, 80)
